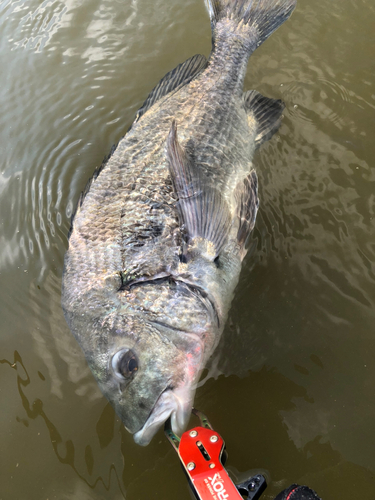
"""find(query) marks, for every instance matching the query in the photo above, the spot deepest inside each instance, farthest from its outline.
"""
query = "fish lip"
(168, 387)
(174, 409)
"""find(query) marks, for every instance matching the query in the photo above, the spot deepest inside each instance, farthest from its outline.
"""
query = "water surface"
(291, 387)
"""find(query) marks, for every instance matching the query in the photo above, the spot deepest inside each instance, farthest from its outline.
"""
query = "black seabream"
(160, 232)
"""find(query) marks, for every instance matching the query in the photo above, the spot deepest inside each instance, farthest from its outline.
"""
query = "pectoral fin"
(246, 195)
(203, 211)
(266, 112)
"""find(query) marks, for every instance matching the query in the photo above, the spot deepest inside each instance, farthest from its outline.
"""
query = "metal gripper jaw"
(202, 453)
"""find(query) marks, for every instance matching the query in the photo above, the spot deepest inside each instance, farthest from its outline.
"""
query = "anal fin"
(266, 112)
(204, 212)
(246, 195)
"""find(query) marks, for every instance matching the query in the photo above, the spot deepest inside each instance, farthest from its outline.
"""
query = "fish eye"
(125, 363)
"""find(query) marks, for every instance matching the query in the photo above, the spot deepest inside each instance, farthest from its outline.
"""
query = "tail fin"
(265, 16)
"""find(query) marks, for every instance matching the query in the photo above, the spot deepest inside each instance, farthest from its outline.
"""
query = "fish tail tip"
(263, 15)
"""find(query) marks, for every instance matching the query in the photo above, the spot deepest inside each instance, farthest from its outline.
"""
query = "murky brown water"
(291, 388)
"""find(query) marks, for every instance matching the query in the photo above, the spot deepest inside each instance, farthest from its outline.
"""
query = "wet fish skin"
(158, 239)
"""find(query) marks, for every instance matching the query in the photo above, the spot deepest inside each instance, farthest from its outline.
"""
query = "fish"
(161, 230)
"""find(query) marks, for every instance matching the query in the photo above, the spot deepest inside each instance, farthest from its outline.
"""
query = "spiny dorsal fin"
(177, 78)
(267, 113)
(203, 210)
(246, 195)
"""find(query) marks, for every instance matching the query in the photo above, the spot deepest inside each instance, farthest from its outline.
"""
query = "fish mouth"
(174, 403)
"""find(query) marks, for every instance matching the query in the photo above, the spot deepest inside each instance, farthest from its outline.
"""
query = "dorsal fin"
(267, 113)
(203, 211)
(175, 79)
(246, 195)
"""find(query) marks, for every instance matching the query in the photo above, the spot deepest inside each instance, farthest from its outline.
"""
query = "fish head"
(149, 373)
